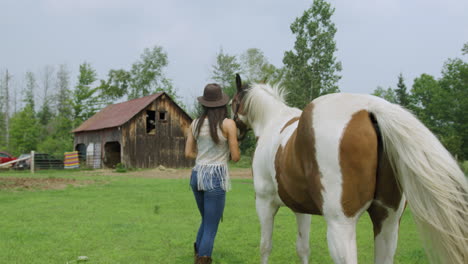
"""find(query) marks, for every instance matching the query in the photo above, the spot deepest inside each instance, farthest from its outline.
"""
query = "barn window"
(150, 122)
(162, 116)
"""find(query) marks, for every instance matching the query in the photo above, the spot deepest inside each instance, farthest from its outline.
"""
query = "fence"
(35, 161)
(42, 161)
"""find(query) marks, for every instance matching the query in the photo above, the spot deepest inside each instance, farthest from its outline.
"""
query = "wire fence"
(43, 161)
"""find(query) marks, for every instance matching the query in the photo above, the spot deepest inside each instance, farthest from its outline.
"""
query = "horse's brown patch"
(387, 193)
(378, 214)
(290, 122)
(358, 162)
(297, 172)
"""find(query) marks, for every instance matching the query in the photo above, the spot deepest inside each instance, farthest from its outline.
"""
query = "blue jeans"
(211, 206)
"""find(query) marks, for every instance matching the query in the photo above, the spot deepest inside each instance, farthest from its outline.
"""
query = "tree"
(224, 72)
(147, 74)
(253, 61)
(61, 125)
(428, 102)
(63, 96)
(256, 67)
(465, 49)
(29, 91)
(387, 94)
(145, 77)
(454, 82)
(6, 107)
(45, 113)
(442, 105)
(402, 96)
(85, 101)
(24, 133)
(116, 86)
(311, 67)
(3, 138)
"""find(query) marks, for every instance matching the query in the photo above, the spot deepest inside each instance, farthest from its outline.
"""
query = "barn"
(141, 133)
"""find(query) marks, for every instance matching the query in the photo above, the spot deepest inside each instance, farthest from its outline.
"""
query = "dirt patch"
(168, 173)
(11, 183)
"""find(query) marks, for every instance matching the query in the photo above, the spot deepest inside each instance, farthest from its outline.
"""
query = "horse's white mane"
(262, 99)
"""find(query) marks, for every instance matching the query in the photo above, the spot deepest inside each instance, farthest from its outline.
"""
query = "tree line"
(46, 116)
(51, 104)
(441, 104)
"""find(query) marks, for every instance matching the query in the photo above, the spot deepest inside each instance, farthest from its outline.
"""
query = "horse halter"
(243, 128)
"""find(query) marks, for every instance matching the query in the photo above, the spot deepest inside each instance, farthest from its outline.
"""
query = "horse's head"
(238, 108)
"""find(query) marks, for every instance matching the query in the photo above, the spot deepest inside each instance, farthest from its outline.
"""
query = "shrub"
(464, 166)
(120, 168)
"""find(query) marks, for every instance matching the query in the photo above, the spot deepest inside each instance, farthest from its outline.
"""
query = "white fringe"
(207, 172)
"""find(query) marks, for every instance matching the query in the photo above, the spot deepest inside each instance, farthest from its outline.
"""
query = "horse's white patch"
(329, 123)
(386, 241)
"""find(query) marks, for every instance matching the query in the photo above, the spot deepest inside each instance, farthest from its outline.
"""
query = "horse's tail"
(434, 185)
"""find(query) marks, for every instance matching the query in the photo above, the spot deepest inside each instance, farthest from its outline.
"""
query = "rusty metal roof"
(117, 114)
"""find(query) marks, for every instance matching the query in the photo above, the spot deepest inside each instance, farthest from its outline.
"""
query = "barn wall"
(163, 146)
(98, 136)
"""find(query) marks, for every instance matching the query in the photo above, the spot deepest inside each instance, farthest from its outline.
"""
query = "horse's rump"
(298, 171)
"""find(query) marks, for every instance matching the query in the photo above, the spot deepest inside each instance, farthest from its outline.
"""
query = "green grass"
(122, 219)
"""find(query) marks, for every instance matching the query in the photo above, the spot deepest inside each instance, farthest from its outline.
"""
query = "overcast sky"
(376, 39)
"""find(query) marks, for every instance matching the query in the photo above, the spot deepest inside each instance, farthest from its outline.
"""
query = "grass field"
(126, 219)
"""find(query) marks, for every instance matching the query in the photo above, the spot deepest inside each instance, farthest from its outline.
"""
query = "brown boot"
(203, 260)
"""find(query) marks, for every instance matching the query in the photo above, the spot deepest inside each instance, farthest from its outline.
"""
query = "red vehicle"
(6, 157)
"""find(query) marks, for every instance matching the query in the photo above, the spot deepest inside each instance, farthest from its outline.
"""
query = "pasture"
(150, 216)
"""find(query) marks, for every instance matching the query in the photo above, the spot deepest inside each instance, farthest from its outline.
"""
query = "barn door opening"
(112, 154)
(81, 148)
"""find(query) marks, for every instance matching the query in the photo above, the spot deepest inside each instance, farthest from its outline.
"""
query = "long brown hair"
(215, 115)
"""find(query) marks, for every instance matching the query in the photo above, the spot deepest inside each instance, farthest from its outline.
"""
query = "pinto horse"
(345, 154)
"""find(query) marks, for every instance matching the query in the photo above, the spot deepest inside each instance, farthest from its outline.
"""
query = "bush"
(244, 162)
(464, 166)
(55, 147)
(120, 168)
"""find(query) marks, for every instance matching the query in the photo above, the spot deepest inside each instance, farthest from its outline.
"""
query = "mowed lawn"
(126, 219)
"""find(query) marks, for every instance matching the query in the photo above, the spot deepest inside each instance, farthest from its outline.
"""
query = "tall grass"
(124, 219)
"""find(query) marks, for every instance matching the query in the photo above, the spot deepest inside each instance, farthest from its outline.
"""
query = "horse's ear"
(238, 83)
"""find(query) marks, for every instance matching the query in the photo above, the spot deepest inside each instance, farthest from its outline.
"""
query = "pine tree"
(45, 113)
(402, 95)
(31, 86)
(85, 101)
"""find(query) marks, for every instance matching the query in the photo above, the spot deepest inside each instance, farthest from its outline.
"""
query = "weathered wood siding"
(99, 136)
(165, 146)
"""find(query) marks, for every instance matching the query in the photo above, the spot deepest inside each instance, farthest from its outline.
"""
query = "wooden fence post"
(32, 162)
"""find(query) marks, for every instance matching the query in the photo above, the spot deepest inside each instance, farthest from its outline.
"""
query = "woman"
(212, 140)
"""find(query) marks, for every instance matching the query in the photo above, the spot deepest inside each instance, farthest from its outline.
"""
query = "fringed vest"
(212, 158)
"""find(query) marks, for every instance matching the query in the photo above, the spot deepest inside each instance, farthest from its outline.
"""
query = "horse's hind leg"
(385, 212)
(386, 223)
(341, 237)
(303, 231)
(266, 211)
